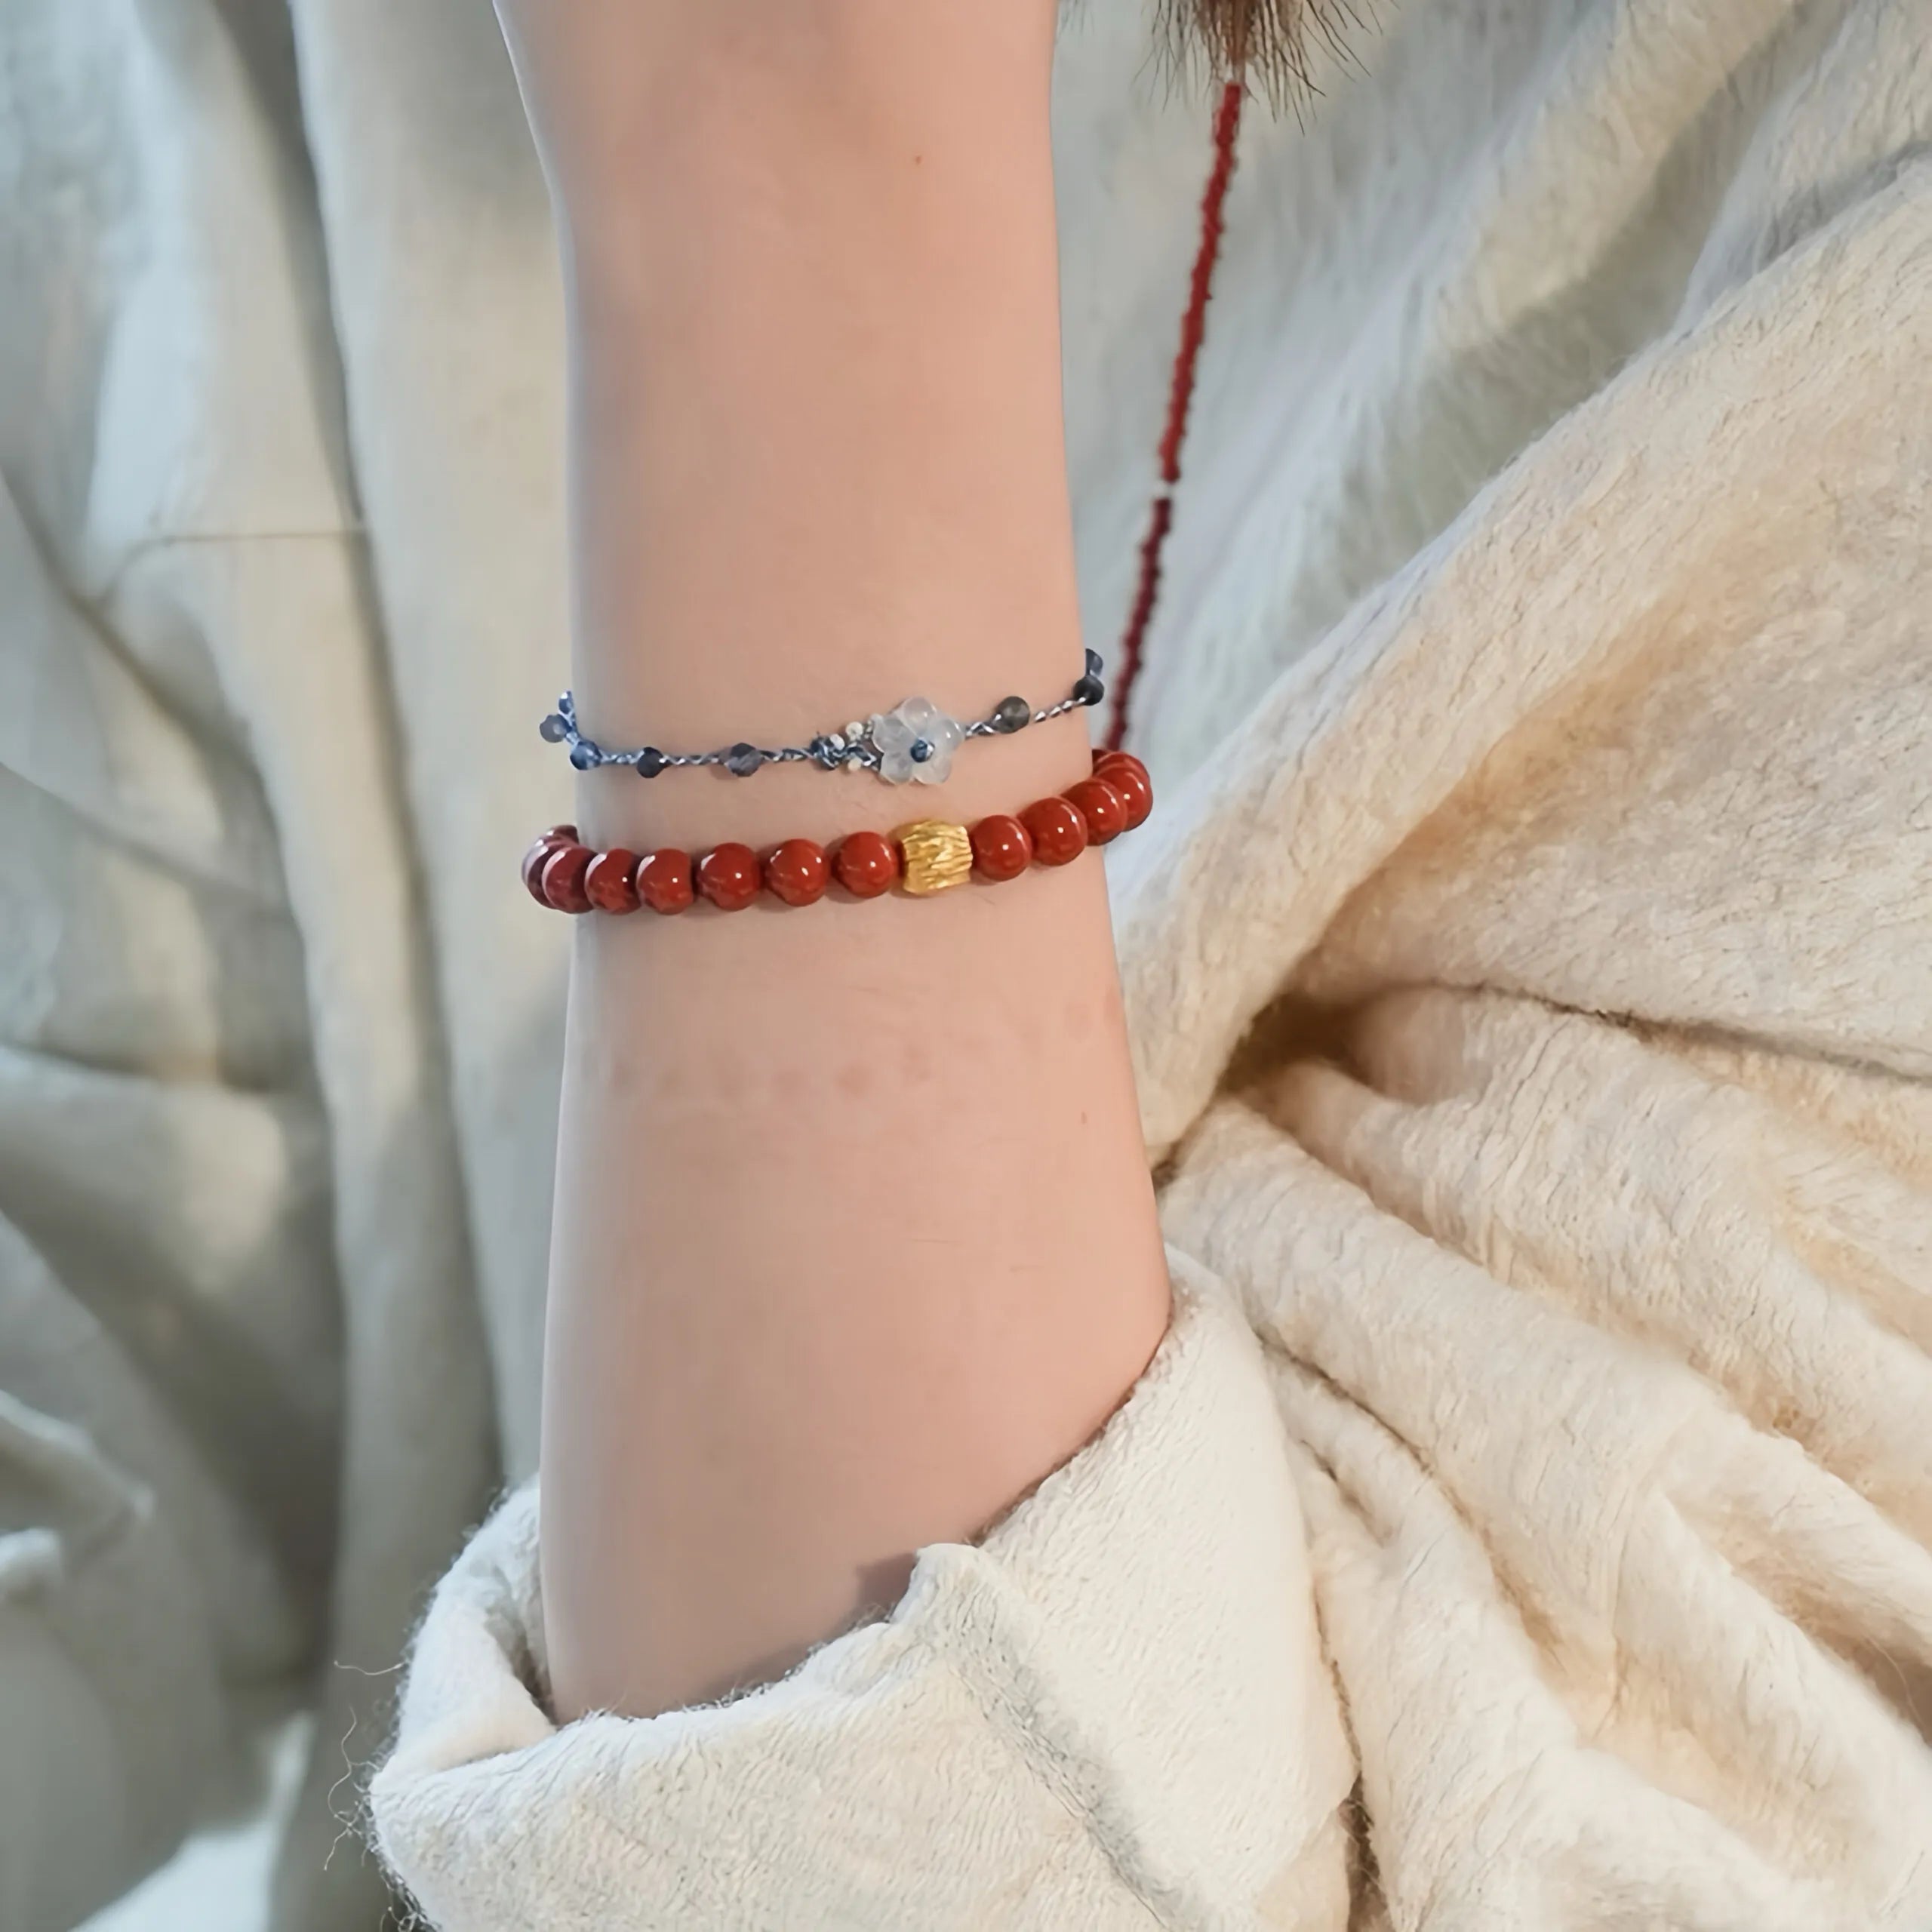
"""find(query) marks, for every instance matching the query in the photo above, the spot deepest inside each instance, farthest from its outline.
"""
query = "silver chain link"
(852, 749)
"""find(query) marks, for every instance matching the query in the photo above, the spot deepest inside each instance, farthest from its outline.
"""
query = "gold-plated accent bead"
(938, 855)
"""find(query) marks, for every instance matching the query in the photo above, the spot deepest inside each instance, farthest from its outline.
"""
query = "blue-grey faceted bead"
(919, 750)
(1094, 666)
(1012, 714)
(650, 762)
(553, 729)
(741, 761)
(1089, 691)
(584, 754)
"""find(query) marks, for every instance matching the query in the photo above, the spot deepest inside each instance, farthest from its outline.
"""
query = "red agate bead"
(610, 882)
(1001, 847)
(1058, 831)
(562, 879)
(534, 861)
(797, 872)
(1128, 776)
(728, 875)
(1101, 806)
(664, 881)
(867, 863)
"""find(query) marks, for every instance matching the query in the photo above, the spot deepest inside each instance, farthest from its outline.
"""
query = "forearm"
(854, 1237)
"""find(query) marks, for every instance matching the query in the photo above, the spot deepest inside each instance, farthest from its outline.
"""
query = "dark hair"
(1268, 39)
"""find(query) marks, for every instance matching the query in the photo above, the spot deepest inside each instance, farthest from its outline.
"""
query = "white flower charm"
(917, 741)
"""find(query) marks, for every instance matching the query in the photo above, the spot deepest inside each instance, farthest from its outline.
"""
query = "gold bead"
(938, 855)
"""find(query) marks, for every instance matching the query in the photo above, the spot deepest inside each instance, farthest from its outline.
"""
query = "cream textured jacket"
(1527, 1523)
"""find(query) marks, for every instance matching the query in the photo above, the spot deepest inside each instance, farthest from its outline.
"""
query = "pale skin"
(854, 1240)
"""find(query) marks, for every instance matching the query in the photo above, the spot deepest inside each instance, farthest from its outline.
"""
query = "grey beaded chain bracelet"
(915, 741)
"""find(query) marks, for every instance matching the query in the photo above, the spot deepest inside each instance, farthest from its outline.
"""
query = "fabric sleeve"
(1533, 995)
(1606, 1356)
(1109, 1712)
(1642, 732)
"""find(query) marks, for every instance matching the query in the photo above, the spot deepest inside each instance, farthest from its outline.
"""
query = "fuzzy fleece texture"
(1525, 1524)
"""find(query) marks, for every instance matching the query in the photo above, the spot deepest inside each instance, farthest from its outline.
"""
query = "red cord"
(1181, 396)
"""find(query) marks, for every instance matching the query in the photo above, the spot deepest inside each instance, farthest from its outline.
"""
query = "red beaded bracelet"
(928, 857)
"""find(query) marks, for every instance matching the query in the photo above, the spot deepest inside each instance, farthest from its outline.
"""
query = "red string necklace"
(1181, 396)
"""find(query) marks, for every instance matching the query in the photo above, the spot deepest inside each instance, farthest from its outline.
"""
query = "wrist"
(753, 125)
